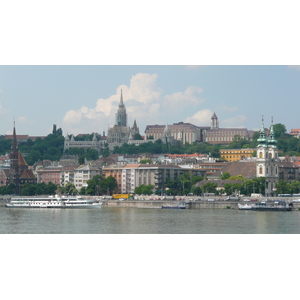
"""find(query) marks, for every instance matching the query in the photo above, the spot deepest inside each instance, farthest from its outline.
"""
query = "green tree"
(109, 184)
(282, 187)
(279, 130)
(210, 187)
(144, 189)
(94, 185)
(225, 176)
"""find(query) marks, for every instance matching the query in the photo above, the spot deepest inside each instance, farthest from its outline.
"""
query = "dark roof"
(246, 169)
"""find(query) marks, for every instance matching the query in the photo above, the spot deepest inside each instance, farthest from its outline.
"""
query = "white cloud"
(3, 110)
(144, 101)
(200, 118)
(237, 122)
(193, 67)
(294, 67)
(22, 119)
(224, 107)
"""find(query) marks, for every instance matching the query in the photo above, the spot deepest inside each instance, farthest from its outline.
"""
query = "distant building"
(189, 133)
(295, 133)
(236, 154)
(50, 174)
(216, 135)
(70, 142)
(183, 132)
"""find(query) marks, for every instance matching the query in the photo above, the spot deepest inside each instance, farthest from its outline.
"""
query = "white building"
(84, 173)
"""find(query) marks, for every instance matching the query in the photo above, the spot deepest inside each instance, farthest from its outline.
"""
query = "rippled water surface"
(143, 221)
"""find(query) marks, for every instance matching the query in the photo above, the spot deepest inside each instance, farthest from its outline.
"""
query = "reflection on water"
(153, 221)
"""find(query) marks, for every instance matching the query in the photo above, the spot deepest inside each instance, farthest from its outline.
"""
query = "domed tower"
(121, 115)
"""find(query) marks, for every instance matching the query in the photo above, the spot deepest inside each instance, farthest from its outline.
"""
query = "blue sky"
(84, 99)
(67, 66)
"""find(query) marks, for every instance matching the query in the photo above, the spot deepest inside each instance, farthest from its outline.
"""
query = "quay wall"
(192, 205)
(159, 204)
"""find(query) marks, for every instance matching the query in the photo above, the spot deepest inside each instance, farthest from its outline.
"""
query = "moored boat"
(179, 206)
(244, 206)
(53, 202)
(272, 206)
(267, 206)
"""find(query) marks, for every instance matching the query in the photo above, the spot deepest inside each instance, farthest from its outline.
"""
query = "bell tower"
(267, 159)
(14, 174)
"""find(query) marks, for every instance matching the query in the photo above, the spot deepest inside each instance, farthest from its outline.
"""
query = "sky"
(84, 99)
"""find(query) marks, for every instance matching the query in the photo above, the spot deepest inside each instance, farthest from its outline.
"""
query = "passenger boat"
(272, 206)
(53, 202)
(179, 206)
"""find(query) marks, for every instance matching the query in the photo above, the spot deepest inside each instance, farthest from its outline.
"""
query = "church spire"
(262, 135)
(121, 101)
(121, 115)
(272, 141)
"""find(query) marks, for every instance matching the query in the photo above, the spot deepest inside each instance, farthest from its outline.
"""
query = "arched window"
(270, 155)
(260, 155)
(260, 170)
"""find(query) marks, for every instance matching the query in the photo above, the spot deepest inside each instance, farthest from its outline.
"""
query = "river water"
(123, 220)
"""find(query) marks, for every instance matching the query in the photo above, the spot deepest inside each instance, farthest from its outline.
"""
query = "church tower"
(267, 159)
(14, 175)
(121, 116)
(214, 123)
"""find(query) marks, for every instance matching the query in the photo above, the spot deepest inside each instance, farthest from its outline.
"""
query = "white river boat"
(53, 202)
(245, 206)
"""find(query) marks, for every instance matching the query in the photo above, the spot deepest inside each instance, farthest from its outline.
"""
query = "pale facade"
(47, 175)
(94, 144)
(84, 173)
(183, 132)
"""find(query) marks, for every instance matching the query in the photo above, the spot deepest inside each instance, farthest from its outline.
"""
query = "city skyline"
(84, 99)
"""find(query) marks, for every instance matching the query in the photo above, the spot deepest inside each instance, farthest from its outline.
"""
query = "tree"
(225, 176)
(137, 136)
(282, 187)
(110, 183)
(94, 185)
(237, 177)
(144, 189)
(81, 160)
(279, 130)
(68, 189)
(209, 187)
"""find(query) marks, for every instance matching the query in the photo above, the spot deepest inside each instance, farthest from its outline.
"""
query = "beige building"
(183, 132)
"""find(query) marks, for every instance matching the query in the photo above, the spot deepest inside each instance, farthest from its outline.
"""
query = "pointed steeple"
(121, 100)
(14, 145)
(214, 123)
(121, 115)
(14, 176)
(262, 135)
(272, 141)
